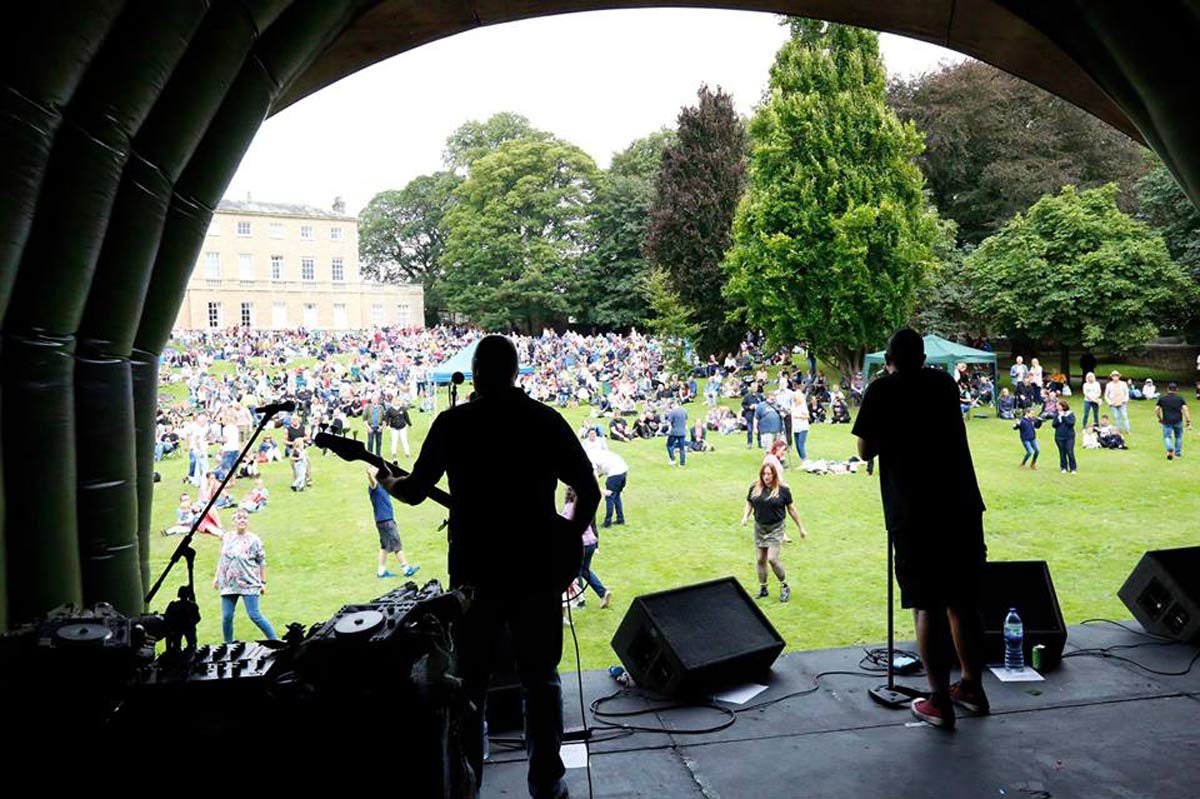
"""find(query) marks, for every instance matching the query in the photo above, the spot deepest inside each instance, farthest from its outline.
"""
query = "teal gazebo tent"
(460, 362)
(941, 352)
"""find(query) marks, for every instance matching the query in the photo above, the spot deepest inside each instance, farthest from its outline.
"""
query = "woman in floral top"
(242, 572)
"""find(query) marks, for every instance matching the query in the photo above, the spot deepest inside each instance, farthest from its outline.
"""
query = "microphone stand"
(184, 550)
(890, 694)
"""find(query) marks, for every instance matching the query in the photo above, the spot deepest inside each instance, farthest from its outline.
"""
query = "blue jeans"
(1092, 408)
(589, 576)
(801, 438)
(1066, 453)
(228, 458)
(535, 622)
(1031, 448)
(229, 602)
(616, 484)
(749, 430)
(375, 440)
(1175, 430)
(1120, 414)
(677, 443)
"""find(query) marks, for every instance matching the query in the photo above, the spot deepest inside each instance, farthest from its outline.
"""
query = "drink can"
(1037, 656)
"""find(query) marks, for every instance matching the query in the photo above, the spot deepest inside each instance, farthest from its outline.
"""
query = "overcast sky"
(598, 80)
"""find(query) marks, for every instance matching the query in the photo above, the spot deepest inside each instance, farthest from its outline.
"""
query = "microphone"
(275, 407)
(457, 378)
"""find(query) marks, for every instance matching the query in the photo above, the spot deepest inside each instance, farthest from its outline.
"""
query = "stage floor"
(1096, 727)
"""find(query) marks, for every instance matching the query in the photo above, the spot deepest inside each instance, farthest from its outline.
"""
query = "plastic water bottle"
(1014, 641)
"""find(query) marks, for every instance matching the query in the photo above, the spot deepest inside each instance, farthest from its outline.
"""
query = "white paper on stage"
(1023, 675)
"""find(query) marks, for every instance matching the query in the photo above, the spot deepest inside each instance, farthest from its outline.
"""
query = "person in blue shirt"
(677, 435)
(1028, 425)
(385, 523)
(1064, 436)
(768, 422)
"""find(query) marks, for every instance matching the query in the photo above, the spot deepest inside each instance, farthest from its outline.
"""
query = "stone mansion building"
(276, 266)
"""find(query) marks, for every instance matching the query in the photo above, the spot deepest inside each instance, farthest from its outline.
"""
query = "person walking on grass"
(770, 502)
(385, 524)
(677, 434)
(591, 543)
(1064, 436)
(1028, 425)
(242, 573)
(1172, 412)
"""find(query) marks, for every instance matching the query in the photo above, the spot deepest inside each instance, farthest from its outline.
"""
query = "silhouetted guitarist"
(504, 454)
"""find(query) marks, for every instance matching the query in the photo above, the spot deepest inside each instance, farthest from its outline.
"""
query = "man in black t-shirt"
(749, 403)
(503, 522)
(911, 421)
(1172, 412)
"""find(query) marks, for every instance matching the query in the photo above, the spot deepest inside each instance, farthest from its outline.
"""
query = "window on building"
(339, 270)
(214, 228)
(402, 315)
(243, 228)
(340, 320)
(212, 265)
(308, 269)
(277, 267)
(214, 314)
(306, 232)
(310, 315)
(335, 233)
(276, 230)
(245, 266)
(377, 315)
(279, 315)
(247, 314)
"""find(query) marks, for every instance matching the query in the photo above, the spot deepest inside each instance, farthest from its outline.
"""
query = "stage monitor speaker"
(1163, 593)
(689, 641)
(1026, 586)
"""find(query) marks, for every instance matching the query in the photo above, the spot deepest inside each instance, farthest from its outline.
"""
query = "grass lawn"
(683, 528)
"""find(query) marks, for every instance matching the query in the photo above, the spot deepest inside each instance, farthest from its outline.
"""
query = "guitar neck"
(436, 494)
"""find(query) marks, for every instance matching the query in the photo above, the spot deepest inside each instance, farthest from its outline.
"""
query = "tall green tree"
(401, 235)
(834, 235)
(1163, 204)
(473, 139)
(517, 233)
(996, 143)
(702, 177)
(669, 320)
(944, 299)
(1075, 271)
(613, 275)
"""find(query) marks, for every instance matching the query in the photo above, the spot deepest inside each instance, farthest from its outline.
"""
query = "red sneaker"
(939, 714)
(970, 696)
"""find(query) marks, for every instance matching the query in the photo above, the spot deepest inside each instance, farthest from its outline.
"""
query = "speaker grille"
(707, 623)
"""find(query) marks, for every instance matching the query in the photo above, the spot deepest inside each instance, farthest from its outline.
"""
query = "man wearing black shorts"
(910, 420)
(385, 523)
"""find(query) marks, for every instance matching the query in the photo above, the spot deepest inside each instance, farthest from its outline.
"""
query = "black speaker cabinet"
(689, 641)
(1163, 593)
(1026, 586)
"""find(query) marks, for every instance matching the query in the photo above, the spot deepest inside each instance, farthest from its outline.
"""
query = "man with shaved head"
(910, 420)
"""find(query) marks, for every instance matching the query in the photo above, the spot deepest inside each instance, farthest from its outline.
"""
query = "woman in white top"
(1149, 390)
(1092, 392)
(1035, 372)
(800, 424)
